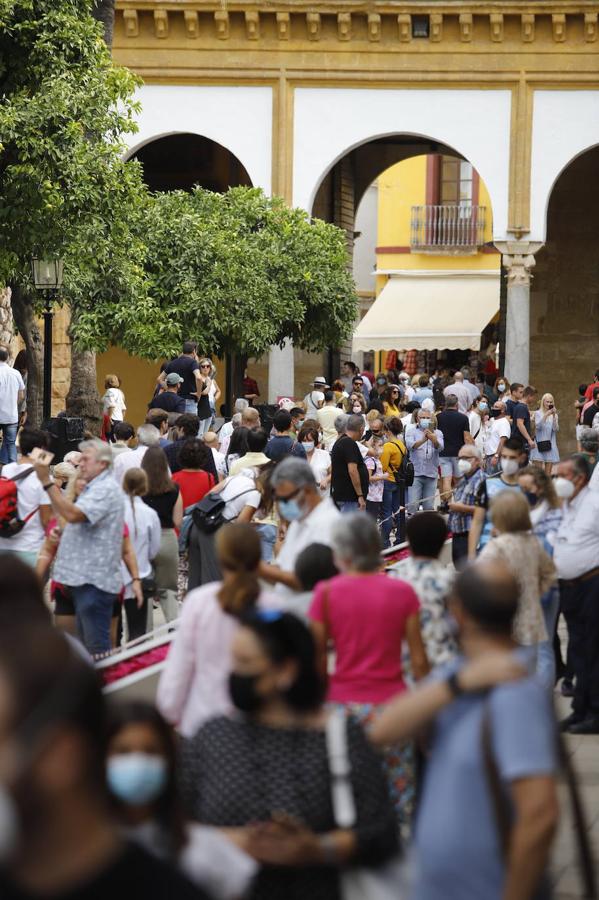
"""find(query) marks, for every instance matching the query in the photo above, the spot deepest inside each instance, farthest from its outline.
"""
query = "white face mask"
(357, 408)
(509, 466)
(308, 446)
(464, 466)
(564, 488)
(501, 388)
(425, 423)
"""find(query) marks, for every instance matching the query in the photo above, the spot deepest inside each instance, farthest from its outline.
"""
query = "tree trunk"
(83, 398)
(26, 322)
(103, 11)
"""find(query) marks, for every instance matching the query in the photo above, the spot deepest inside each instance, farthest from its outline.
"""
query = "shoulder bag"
(502, 809)
(405, 472)
(357, 882)
(208, 514)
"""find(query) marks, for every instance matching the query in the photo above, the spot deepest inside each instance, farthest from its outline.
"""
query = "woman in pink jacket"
(194, 683)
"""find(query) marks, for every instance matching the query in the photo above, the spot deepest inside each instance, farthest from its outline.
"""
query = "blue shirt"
(465, 492)
(90, 552)
(458, 854)
(425, 458)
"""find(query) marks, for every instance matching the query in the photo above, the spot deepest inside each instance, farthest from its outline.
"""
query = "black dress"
(235, 772)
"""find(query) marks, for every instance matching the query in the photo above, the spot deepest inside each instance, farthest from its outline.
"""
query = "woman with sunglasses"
(208, 396)
(264, 776)
(194, 682)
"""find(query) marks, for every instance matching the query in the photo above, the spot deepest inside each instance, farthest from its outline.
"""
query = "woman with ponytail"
(194, 683)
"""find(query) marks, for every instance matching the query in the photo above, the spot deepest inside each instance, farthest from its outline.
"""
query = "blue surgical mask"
(308, 446)
(425, 423)
(136, 778)
(483, 406)
(290, 510)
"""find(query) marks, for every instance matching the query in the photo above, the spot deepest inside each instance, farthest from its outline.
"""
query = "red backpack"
(10, 524)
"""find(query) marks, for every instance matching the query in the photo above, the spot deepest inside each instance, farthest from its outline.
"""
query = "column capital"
(518, 257)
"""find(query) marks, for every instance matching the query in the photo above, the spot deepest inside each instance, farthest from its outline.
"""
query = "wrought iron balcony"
(447, 229)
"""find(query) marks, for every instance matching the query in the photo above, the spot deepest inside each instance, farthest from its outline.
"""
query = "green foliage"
(65, 109)
(237, 272)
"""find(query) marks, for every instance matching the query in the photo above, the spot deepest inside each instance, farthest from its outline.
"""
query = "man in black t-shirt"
(592, 410)
(518, 409)
(67, 844)
(349, 475)
(455, 428)
(169, 400)
(186, 365)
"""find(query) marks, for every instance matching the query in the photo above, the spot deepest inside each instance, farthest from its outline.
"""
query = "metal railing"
(447, 228)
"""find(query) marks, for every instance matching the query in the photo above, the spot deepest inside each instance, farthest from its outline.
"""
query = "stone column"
(280, 372)
(518, 259)
(6, 320)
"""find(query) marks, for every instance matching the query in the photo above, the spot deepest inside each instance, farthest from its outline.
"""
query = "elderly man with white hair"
(310, 516)
(147, 436)
(461, 507)
(227, 429)
(88, 560)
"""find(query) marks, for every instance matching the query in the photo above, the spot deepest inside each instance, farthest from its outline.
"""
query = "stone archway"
(564, 314)
(180, 161)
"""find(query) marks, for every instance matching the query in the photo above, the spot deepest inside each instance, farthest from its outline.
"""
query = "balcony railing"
(447, 229)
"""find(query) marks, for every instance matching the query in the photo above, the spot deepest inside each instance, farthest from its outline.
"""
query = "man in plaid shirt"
(461, 508)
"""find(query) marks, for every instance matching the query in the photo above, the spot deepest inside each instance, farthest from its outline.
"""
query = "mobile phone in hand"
(43, 457)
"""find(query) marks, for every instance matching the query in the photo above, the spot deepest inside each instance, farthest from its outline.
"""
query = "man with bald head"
(492, 725)
(459, 390)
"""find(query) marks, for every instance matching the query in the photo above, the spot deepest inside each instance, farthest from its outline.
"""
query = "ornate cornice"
(572, 22)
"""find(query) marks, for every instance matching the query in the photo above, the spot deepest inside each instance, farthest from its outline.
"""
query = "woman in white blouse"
(319, 460)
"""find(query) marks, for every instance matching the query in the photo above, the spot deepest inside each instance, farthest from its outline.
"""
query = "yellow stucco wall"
(401, 187)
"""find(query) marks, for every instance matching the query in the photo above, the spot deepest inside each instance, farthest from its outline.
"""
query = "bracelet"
(454, 685)
(136, 579)
(47, 487)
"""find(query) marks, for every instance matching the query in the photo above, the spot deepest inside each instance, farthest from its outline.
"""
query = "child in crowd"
(314, 564)
(376, 477)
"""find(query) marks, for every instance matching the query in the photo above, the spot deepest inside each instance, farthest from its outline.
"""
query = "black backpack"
(208, 514)
(405, 472)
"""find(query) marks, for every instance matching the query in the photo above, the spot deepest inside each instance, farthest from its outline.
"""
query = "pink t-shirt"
(365, 616)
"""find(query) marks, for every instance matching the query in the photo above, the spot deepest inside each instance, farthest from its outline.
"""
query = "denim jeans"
(389, 510)
(191, 406)
(423, 489)
(8, 451)
(93, 609)
(205, 425)
(348, 506)
(545, 654)
(268, 536)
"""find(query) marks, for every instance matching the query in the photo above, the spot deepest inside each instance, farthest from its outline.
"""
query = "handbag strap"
(503, 814)
(342, 795)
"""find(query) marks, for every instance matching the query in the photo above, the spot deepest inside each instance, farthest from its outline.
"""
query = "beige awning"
(430, 312)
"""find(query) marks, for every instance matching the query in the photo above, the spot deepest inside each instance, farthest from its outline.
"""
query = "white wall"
(565, 124)
(331, 121)
(365, 245)
(239, 118)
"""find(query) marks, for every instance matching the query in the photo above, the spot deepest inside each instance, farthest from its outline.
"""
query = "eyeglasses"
(280, 499)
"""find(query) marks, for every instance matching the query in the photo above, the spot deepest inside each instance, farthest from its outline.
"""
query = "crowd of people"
(329, 711)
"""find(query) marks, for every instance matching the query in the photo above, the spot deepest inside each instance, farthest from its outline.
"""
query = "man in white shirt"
(459, 389)
(147, 436)
(311, 519)
(576, 557)
(326, 416)
(33, 504)
(499, 432)
(12, 393)
(211, 441)
(226, 431)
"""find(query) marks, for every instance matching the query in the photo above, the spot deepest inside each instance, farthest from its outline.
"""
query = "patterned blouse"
(465, 492)
(535, 573)
(236, 771)
(432, 581)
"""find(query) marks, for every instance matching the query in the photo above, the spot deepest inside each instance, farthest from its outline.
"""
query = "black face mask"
(242, 689)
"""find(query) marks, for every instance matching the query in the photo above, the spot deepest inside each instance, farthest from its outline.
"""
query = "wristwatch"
(454, 685)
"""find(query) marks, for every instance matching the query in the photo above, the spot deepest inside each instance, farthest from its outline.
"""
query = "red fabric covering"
(143, 660)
